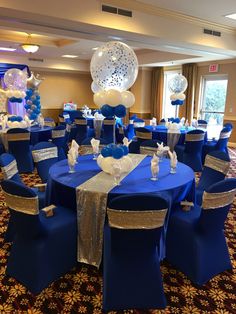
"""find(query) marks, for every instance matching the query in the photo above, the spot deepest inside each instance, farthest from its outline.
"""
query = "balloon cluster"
(114, 69)
(33, 106)
(177, 85)
(15, 82)
(115, 151)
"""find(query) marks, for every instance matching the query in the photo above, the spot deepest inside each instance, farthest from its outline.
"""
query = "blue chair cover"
(176, 120)
(81, 129)
(44, 248)
(191, 152)
(221, 144)
(120, 133)
(142, 134)
(131, 269)
(49, 122)
(215, 168)
(10, 172)
(44, 163)
(170, 119)
(228, 125)
(20, 148)
(107, 132)
(149, 147)
(59, 139)
(195, 242)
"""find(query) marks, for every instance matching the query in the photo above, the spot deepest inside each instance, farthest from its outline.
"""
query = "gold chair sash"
(80, 122)
(51, 123)
(130, 219)
(225, 134)
(217, 200)
(45, 153)
(202, 126)
(10, 170)
(58, 133)
(121, 130)
(26, 205)
(148, 150)
(217, 164)
(144, 135)
(194, 137)
(108, 122)
(18, 137)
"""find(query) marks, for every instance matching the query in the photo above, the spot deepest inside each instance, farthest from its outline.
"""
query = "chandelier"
(29, 47)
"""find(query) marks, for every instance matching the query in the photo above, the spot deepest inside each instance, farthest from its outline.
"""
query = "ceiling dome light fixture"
(29, 47)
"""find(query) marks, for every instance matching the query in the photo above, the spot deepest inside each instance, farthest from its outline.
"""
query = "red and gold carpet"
(79, 291)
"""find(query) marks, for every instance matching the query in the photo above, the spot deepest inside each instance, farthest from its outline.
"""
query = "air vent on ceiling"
(113, 10)
(211, 32)
(35, 59)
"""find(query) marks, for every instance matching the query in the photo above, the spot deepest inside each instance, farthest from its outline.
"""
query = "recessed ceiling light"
(7, 49)
(69, 56)
(95, 48)
(231, 16)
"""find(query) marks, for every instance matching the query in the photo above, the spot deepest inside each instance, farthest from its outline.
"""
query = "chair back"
(24, 208)
(223, 139)
(9, 167)
(228, 125)
(202, 124)
(107, 134)
(216, 167)
(49, 122)
(81, 129)
(19, 146)
(149, 147)
(59, 138)
(86, 147)
(143, 134)
(45, 154)
(216, 203)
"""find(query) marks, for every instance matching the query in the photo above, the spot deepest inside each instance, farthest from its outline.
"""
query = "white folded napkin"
(194, 123)
(73, 154)
(174, 128)
(98, 116)
(75, 147)
(153, 122)
(155, 165)
(173, 159)
(95, 145)
(186, 124)
(182, 120)
(126, 142)
(162, 148)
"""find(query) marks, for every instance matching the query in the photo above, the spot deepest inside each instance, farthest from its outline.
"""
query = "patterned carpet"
(79, 291)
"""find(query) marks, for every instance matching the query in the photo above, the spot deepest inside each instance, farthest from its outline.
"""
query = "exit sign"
(213, 68)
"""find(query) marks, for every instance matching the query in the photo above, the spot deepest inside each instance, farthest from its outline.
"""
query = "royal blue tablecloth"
(176, 187)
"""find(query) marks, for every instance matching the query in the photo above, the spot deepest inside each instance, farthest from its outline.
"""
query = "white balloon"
(181, 96)
(15, 79)
(173, 97)
(99, 98)
(106, 164)
(178, 84)
(95, 88)
(128, 99)
(113, 97)
(114, 65)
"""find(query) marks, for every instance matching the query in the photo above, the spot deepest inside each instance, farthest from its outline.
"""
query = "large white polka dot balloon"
(114, 66)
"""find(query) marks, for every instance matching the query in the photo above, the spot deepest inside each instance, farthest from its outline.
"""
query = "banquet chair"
(149, 147)
(228, 125)
(19, 146)
(10, 172)
(59, 139)
(138, 122)
(141, 134)
(176, 120)
(195, 242)
(202, 124)
(162, 122)
(107, 133)
(131, 268)
(44, 247)
(81, 129)
(129, 131)
(49, 122)
(45, 154)
(120, 133)
(215, 168)
(190, 153)
(221, 144)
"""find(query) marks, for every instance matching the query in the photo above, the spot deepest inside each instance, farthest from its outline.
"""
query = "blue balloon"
(107, 111)
(33, 116)
(120, 111)
(117, 153)
(106, 152)
(125, 149)
(27, 107)
(15, 99)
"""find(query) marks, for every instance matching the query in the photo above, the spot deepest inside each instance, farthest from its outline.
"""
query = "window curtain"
(190, 72)
(157, 86)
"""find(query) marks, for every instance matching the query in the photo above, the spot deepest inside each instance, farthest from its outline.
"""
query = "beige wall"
(60, 87)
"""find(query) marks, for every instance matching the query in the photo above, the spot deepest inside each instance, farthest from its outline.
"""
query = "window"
(212, 107)
(214, 89)
(168, 110)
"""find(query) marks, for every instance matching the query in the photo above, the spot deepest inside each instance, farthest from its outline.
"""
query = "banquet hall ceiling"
(162, 32)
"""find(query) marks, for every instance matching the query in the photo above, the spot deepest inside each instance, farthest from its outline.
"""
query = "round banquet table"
(61, 186)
